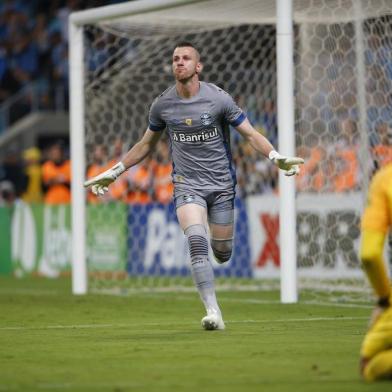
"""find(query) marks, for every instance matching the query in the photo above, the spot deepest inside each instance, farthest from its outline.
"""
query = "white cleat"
(212, 321)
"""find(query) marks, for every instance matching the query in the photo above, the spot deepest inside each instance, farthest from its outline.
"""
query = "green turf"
(53, 341)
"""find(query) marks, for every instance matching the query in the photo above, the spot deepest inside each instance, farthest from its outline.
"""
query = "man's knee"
(379, 367)
(197, 241)
(222, 249)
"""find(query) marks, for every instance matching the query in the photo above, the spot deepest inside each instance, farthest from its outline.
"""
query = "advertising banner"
(157, 245)
(5, 241)
(107, 237)
(40, 238)
(327, 235)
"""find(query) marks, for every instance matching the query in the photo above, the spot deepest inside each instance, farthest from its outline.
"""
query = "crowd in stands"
(150, 181)
(36, 176)
(34, 51)
(45, 176)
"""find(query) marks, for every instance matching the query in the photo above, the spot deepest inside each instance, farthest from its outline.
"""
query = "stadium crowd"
(45, 176)
(34, 49)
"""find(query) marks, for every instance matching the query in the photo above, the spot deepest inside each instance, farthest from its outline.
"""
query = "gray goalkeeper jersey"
(198, 130)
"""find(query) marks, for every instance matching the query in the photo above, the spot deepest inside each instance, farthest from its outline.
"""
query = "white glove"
(288, 165)
(101, 182)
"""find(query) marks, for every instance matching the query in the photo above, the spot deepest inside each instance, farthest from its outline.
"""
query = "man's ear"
(199, 68)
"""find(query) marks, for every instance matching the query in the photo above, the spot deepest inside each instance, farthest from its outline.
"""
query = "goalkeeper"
(196, 116)
(376, 350)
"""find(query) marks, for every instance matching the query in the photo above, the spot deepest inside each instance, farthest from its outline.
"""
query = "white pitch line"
(318, 303)
(133, 325)
(277, 302)
(28, 291)
(183, 298)
(67, 385)
(191, 297)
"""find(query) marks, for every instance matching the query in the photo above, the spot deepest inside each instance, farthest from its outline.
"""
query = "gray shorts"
(219, 204)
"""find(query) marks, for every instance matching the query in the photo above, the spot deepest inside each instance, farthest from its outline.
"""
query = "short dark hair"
(183, 44)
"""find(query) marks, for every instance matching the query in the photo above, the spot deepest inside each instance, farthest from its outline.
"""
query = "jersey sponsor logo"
(196, 137)
(206, 119)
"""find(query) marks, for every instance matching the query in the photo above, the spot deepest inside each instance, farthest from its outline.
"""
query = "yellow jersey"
(378, 211)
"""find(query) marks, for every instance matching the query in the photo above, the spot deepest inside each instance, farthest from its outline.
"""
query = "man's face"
(56, 153)
(99, 154)
(186, 63)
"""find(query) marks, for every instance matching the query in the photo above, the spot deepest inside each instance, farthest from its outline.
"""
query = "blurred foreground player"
(376, 350)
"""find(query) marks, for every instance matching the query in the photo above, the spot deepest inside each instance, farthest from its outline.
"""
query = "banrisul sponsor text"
(195, 137)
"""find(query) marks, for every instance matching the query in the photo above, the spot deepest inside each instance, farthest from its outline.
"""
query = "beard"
(184, 77)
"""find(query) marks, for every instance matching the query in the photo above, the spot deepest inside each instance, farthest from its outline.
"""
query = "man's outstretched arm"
(99, 184)
(290, 165)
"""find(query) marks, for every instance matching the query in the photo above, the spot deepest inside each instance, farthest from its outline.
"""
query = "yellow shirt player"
(376, 350)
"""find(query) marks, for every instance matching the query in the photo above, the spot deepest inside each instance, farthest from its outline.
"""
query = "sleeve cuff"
(238, 120)
(156, 128)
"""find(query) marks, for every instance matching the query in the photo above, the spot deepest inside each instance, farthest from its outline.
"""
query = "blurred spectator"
(312, 177)
(23, 56)
(162, 171)
(345, 160)
(40, 34)
(255, 175)
(118, 190)
(139, 180)
(266, 120)
(117, 151)
(12, 170)
(56, 174)
(33, 170)
(7, 194)
(382, 150)
(331, 164)
(59, 74)
(63, 16)
(8, 83)
(98, 166)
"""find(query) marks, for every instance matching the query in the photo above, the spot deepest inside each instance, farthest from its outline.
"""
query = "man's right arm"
(99, 184)
(141, 149)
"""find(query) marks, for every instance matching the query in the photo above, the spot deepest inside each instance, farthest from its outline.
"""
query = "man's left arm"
(261, 144)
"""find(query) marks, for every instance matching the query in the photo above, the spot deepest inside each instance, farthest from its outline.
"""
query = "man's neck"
(188, 89)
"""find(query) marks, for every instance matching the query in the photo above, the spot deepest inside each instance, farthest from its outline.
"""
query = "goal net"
(343, 71)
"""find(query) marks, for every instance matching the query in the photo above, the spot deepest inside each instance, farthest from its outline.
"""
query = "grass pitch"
(51, 340)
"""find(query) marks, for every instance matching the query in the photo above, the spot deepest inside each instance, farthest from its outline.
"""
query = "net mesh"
(343, 71)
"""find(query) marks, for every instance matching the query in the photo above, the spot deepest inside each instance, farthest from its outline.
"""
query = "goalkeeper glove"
(101, 182)
(288, 165)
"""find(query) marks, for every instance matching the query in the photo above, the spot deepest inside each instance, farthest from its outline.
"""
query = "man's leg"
(221, 241)
(193, 219)
(221, 219)
(376, 351)
(379, 367)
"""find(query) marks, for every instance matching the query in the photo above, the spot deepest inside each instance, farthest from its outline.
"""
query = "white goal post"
(314, 76)
(285, 121)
